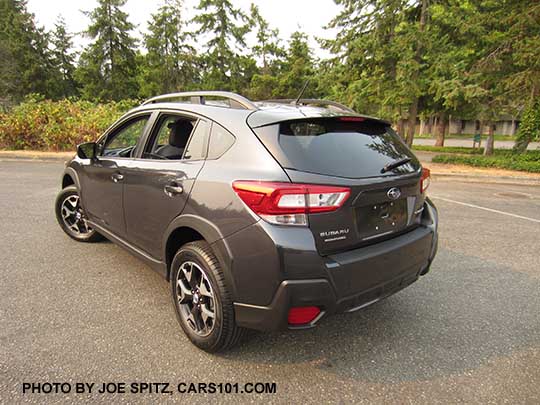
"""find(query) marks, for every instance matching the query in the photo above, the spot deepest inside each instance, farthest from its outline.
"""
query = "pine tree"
(107, 67)
(63, 60)
(27, 67)
(297, 68)
(170, 64)
(368, 48)
(225, 26)
(268, 48)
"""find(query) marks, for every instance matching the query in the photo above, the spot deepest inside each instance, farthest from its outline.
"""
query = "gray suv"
(261, 215)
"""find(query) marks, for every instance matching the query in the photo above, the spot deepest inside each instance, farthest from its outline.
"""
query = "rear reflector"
(289, 203)
(425, 180)
(303, 315)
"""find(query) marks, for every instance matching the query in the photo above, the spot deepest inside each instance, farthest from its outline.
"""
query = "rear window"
(333, 147)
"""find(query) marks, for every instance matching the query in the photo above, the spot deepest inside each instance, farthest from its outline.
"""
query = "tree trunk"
(400, 128)
(431, 119)
(488, 149)
(459, 127)
(441, 129)
(413, 109)
(411, 123)
(422, 127)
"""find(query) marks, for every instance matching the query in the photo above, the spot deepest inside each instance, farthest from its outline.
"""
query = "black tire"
(86, 233)
(224, 333)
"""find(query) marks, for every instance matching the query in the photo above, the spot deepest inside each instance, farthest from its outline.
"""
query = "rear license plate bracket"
(382, 218)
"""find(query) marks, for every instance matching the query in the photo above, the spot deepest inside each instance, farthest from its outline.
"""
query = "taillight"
(289, 203)
(302, 315)
(425, 180)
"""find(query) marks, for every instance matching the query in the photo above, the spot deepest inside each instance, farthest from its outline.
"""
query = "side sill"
(156, 265)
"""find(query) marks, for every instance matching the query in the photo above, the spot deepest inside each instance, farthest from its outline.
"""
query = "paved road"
(467, 332)
(469, 142)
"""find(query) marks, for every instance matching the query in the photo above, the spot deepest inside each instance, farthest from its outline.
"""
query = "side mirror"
(87, 150)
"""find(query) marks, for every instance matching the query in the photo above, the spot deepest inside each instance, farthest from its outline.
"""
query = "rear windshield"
(334, 147)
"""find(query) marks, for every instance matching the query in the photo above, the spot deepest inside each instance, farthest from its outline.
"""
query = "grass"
(449, 149)
(468, 136)
(501, 159)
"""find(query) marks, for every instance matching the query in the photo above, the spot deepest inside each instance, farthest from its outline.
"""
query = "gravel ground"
(469, 331)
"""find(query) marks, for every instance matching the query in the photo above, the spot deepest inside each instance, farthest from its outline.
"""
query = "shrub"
(57, 125)
(529, 129)
(528, 161)
(449, 149)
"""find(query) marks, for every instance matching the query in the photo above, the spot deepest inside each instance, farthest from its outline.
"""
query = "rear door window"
(333, 147)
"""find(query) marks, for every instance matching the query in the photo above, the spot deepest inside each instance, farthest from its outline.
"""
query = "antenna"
(301, 92)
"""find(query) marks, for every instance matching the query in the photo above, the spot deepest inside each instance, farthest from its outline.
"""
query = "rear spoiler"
(282, 113)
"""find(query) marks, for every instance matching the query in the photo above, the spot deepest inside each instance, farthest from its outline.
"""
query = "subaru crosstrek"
(261, 215)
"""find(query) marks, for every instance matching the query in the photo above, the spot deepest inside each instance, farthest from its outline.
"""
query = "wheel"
(202, 300)
(71, 217)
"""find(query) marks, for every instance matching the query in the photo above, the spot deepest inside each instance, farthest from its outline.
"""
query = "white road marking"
(486, 209)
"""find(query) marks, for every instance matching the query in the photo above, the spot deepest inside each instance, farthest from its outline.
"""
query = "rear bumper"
(350, 280)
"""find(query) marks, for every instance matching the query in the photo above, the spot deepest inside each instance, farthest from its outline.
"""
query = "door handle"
(116, 177)
(173, 189)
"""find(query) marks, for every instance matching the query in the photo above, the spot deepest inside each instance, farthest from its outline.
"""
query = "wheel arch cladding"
(176, 239)
(70, 178)
(187, 228)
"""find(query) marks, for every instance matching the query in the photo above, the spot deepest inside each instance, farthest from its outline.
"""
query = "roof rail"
(198, 97)
(314, 101)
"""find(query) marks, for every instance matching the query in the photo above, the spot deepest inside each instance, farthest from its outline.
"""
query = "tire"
(68, 201)
(213, 335)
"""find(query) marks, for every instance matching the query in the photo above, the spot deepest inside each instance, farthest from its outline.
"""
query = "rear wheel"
(202, 300)
(72, 218)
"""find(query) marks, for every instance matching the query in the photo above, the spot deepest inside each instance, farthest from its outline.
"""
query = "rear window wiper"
(393, 165)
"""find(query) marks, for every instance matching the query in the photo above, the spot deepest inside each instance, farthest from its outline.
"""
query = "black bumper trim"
(316, 292)
(290, 293)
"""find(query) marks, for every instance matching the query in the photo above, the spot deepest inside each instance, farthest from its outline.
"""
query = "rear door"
(157, 188)
(351, 152)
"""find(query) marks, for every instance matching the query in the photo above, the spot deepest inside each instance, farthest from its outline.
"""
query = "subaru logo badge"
(393, 193)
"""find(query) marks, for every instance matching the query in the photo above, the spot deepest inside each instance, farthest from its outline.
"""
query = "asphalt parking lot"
(468, 332)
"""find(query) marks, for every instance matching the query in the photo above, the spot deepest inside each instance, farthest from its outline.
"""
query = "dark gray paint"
(257, 257)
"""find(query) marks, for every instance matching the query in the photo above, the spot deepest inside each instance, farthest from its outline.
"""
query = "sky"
(287, 15)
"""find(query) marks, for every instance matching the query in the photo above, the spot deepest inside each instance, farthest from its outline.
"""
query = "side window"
(122, 142)
(169, 138)
(196, 148)
(220, 141)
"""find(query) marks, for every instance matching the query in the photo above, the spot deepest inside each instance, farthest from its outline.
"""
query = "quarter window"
(220, 141)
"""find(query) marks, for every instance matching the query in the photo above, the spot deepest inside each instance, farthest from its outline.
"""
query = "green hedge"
(449, 149)
(528, 161)
(497, 137)
(57, 125)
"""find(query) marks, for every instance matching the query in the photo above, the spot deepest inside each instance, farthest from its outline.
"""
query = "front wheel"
(72, 218)
(202, 300)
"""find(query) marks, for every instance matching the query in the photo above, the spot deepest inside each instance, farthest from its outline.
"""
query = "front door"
(158, 183)
(103, 178)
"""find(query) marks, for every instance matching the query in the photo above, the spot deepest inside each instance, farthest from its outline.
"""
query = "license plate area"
(380, 219)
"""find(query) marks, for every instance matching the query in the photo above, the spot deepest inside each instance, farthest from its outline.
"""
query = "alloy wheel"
(196, 299)
(74, 217)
